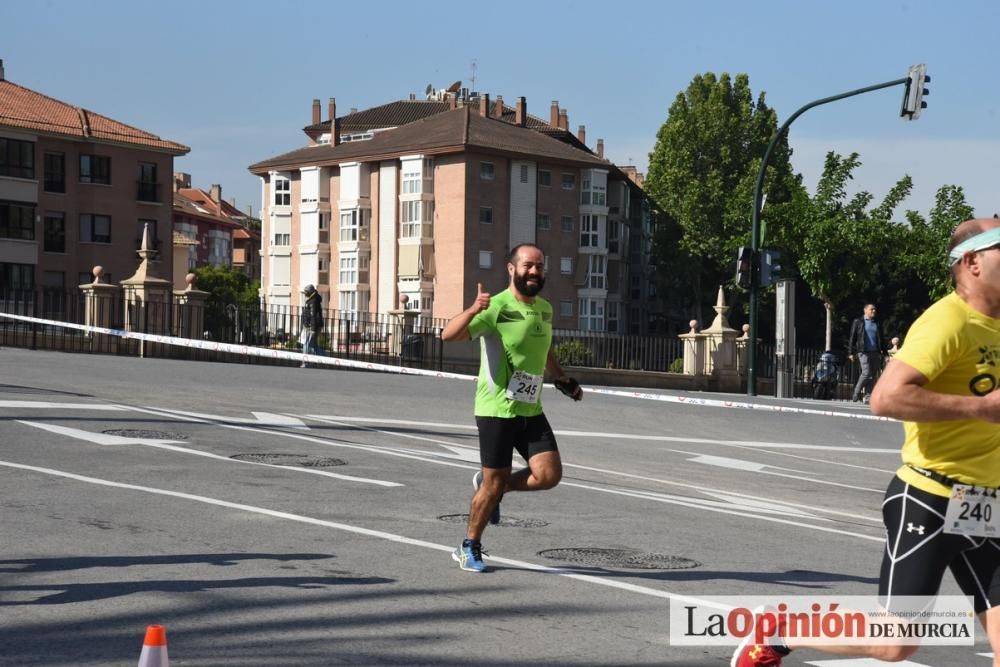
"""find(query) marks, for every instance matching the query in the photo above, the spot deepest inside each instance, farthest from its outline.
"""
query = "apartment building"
(425, 198)
(76, 190)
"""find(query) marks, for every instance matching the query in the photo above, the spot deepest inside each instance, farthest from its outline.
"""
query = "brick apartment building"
(76, 189)
(424, 198)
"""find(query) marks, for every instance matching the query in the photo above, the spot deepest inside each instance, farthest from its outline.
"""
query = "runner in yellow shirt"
(942, 509)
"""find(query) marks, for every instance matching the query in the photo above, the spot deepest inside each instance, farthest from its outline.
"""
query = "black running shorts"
(918, 551)
(500, 436)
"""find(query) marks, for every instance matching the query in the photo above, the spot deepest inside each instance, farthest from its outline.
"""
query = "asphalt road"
(122, 506)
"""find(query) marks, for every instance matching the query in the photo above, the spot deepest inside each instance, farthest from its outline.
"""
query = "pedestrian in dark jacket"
(312, 321)
(865, 343)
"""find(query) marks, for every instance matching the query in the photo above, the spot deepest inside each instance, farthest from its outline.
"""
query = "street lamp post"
(755, 223)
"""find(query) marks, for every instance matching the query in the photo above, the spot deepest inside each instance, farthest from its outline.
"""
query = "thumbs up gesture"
(482, 301)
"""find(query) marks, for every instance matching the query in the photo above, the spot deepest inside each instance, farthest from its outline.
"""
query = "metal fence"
(365, 337)
(592, 349)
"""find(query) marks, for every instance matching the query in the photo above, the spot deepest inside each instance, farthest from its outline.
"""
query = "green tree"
(227, 287)
(926, 252)
(702, 171)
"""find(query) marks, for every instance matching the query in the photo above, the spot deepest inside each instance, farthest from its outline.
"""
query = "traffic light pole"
(755, 224)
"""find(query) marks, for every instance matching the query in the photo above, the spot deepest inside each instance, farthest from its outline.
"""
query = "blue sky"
(235, 80)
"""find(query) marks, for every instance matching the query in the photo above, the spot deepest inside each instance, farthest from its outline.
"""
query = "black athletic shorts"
(918, 551)
(500, 436)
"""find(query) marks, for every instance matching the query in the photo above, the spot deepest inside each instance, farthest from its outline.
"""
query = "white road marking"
(624, 436)
(357, 530)
(260, 419)
(114, 440)
(45, 405)
(759, 468)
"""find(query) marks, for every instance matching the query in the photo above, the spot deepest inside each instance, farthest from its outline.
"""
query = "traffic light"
(771, 270)
(744, 264)
(913, 94)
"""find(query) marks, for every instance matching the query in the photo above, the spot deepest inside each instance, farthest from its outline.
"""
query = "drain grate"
(290, 460)
(505, 521)
(143, 433)
(623, 558)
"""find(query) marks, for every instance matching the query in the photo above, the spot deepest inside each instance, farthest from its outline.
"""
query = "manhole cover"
(624, 558)
(143, 433)
(290, 460)
(505, 521)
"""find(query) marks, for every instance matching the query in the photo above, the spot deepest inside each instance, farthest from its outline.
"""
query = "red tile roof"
(203, 199)
(186, 206)
(24, 108)
(448, 132)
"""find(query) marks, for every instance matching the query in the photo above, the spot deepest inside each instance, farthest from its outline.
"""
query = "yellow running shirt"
(958, 350)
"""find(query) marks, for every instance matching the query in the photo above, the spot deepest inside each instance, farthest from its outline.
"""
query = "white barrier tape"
(389, 368)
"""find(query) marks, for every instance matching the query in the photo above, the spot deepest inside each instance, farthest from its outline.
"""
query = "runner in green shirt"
(515, 333)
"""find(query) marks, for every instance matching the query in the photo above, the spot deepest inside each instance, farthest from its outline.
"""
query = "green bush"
(677, 365)
(572, 353)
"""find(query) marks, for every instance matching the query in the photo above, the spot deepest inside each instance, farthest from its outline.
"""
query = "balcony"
(147, 192)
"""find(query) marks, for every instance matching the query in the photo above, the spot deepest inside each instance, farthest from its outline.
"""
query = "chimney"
(215, 193)
(232, 202)
(249, 210)
(554, 114)
(521, 112)
(600, 148)
(564, 120)
(581, 134)
(181, 180)
(498, 107)
(354, 109)
(1, 70)
(315, 112)
(413, 97)
(331, 108)
(484, 105)
(452, 101)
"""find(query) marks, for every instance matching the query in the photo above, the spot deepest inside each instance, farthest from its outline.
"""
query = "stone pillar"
(99, 302)
(694, 350)
(720, 348)
(189, 311)
(147, 297)
(741, 350)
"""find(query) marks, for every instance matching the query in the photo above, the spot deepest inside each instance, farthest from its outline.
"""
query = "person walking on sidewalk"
(865, 343)
(515, 332)
(312, 321)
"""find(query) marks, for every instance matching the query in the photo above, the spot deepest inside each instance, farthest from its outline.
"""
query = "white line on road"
(171, 445)
(357, 530)
(758, 468)
(45, 405)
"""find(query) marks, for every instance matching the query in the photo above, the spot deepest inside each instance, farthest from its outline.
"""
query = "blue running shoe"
(470, 556)
(477, 481)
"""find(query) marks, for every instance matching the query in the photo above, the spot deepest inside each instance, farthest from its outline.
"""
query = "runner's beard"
(526, 288)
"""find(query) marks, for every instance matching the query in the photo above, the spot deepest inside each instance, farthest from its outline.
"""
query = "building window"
(95, 169)
(55, 280)
(591, 314)
(485, 259)
(595, 195)
(146, 185)
(524, 173)
(543, 221)
(324, 222)
(415, 219)
(17, 276)
(348, 301)
(154, 239)
(486, 171)
(17, 221)
(565, 309)
(282, 191)
(411, 179)
(282, 239)
(567, 223)
(545, 179)
(614, 234)
(55, 232)
(55, 172)
(566, 265)
(352, 225)
(613, 308)
(568, 181)
(588, 231)
(348, 270)
(17, 158)
(95, 228)
(595, 272)
(486, 215)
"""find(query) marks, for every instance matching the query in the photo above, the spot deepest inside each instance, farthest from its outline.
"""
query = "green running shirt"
(514, 336)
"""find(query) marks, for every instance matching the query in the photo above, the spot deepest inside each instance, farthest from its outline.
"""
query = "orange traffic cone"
(154, 648)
